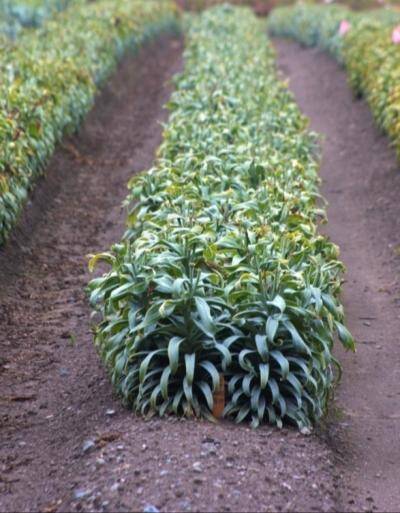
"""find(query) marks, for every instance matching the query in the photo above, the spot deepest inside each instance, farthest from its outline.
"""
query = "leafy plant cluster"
(49, 80)
(311, 25)
(222, 271)
(373, 65)
(17, 15)
(367, 51)
(263, 7)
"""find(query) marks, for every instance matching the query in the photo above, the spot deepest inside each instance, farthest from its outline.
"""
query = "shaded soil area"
(66, 442)
(361, 181)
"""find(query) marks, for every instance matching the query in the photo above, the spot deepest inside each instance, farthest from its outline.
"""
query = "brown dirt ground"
(361, 181)
(66, 442)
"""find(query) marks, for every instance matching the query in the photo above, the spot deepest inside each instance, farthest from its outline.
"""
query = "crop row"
(49, 80)
(263, 7)
(16, 15)
(368, 44)
(222, 276)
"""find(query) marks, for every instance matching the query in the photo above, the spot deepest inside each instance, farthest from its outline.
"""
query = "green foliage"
(17, 15)
(222, 269)
(373, 65)
(263, 7)
(49, 80)
(367, 51)
(311, 25)
(316, 25)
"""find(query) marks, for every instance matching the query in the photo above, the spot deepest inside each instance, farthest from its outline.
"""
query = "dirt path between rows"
(66, 442)
(52, 388)
(361, 181)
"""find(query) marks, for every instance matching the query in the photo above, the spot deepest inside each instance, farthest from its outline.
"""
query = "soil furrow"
(361, 181)
(53, 390)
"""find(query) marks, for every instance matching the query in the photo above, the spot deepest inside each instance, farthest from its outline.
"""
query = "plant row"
(50, 78)
(367, 43)
(17, 15)
(263, 7)
(222, 276)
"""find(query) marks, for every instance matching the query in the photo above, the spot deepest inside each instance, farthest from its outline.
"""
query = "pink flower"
(344, 27)
(396, 35)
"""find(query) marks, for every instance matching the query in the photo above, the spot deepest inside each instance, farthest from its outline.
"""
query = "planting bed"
(222, 275)
(49, 81)
(16, 15)
(366, 43)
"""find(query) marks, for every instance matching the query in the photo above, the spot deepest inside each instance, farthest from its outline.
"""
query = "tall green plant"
(222, 270)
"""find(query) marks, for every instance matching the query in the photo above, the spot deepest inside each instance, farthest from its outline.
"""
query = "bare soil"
(66, 442)
(361, 181)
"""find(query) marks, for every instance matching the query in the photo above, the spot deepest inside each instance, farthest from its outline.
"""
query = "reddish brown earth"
(66, 442)
(361, 181)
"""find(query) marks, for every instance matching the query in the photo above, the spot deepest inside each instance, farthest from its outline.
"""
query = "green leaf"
(261, 408)
(271, 328)
(330, 304)
(146, 362)
(122, 291)
(264, 375)
(213, 373)
(207, 324)
(154, 396)
(164, 284)
(274, 389)
(279, 303)
(246, 384)
(109, 258)
(164, 382)
(187, 389)
(282, 406)
(190, 361)
(167, 308)
(232, 383)
(243, 412)
(226, 355)
(177, 401)
(244, 362)
(282, 362)
(345, 337)
(262, 347)
(298, 342)
(205, 388)
(291, 378)
(151, 317)
(173, 353)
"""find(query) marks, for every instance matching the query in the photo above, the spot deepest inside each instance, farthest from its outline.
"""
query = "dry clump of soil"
(67, 443)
